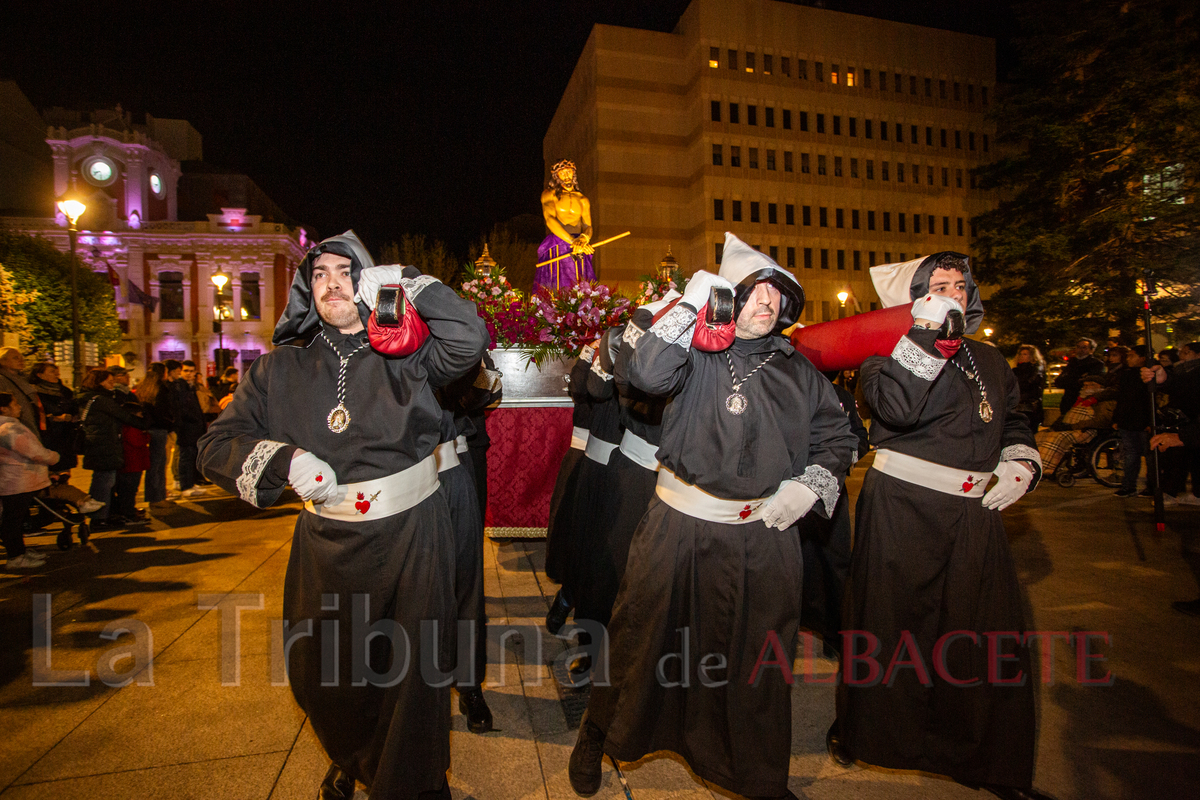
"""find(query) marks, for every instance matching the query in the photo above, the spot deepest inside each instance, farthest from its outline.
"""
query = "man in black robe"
(354, 431)
(932, 579)
(752, 440)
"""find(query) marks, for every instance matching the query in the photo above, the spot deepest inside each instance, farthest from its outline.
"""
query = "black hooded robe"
(394, 739)
(560, 538)
(730, 589)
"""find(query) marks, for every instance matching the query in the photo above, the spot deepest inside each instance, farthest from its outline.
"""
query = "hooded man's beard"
(342, 315)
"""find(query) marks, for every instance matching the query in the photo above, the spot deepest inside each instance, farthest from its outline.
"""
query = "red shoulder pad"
(712, 338)
(402, 339)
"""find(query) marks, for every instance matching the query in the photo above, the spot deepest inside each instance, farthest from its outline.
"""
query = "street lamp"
(842, 297)
(72, 209)
(987, 333)
(219, 279)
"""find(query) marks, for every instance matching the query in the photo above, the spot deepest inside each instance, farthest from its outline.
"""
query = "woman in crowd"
(151, 393)
(58, 402)
(23, 472)
(103, 452)
(1030, 371)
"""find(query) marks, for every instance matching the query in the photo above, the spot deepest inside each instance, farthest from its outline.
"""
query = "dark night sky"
(392, 117)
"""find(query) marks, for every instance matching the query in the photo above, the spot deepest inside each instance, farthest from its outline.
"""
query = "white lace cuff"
(253, 468)
(822, 482)
(632, 334)
(1022, 452)
(917, 361)
(676, 327)
(599, 370)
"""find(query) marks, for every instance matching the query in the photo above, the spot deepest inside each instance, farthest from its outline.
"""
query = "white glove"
(791, 502)
(1013, 479)
(312, 478)
(699, 287)
(934, 307)
(372, 278)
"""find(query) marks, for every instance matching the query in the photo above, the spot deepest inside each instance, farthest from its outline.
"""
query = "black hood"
(744, 267)
(300, 318)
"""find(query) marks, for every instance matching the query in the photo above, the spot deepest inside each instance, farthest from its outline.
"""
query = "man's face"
(124, 379)
(13, 409)
(1113, 357)
(949, 283)
(1134, 359)
(1187, 354)
(13, 360)
(760, 313)
(50, 374)
(333, 291)
(1083, 348)
(174, 374)
(566, 177)
(187, 373)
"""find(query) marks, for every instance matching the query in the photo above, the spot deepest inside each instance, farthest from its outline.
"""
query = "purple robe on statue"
(564, 273)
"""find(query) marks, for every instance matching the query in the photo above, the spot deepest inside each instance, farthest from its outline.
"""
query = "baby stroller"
(1099, 459)
(47, 511)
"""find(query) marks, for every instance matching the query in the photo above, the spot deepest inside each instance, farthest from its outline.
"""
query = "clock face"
(100, 171)
(156, 185)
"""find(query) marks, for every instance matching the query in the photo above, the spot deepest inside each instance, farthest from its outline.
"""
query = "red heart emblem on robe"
(745, 512)
(362, 506)
(969, 484)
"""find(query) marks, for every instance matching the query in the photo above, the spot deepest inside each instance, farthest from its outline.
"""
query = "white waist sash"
(639, 451)
(382, 497)
(696, 502)
(599, 450)
(930, 475)
(460, 445)
(446, 456)
(579, 438)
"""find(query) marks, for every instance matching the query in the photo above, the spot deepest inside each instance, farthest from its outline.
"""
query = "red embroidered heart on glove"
(319, 478)
(362, 506)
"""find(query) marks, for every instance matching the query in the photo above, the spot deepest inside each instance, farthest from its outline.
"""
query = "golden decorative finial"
(668, 265)
(484, 264)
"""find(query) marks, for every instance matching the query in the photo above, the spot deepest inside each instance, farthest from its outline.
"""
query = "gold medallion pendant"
(985, 410)
(736, 403)
(339, 419)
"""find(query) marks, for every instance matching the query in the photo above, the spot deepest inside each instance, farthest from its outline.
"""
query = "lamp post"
(219, 280)
(72, 209)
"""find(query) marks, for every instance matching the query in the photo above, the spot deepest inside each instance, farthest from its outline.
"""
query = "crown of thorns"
(564, 164)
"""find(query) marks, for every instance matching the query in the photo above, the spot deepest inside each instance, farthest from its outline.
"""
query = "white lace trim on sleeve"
(414, 286)
(1021, 452)
(252, 470)
(676, 326)
(917, 361)
(822, 482)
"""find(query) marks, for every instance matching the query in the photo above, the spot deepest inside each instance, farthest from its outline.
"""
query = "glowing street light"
(220, 279)
(73, 209)
(843, 296)
(987, 333)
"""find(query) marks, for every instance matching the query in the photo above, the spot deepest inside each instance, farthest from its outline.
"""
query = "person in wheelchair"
(1078, 425)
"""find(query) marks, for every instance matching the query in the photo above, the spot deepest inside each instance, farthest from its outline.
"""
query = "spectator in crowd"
(120, 380)
(154, 395)
(208, 403)
(58, 403)
(103, 453)
(1079, 424)
(1030, 372)
(135, 449)
(1114, 362)
(226, 385)
(23, 471)
(1181, 383)
(12, 363)
(1187, 436)
(1081, 363)
(189, 427)
(1168, 358)
(1131, 418)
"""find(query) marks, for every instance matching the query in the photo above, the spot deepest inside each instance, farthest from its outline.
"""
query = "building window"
(971, 93)
(912, 134)
(854, 168)
(737, 211)
(770, 159)
(898, 83)
(767, 65)
(749, 62)
(883, 170)
(900, 133)
(251, 297)
(819, 69)
(945, 176)
(837, 166)
(806, 214)
(912, 84)
(774, 251)
(858, 259)
(751, 115)
(870, 170)
(804, 122)
(928, 87)
(772, 214)
(866, 79)
(853, 126)
(867, 131)
(770, 116)
(985, 143)
(804, 163)
(820, 165)
(824, 258)
(791, 258)
(870, 220)
(972, 180)
(941, 89)
(841, 259)
(732, 65)
(714, 57)
(820, 123)
(753, 158)
(932, 224)
(970, 140)
(849, 76)
(823, 217)
(983, 94)
(837, 125)
(957, 92)
(839, 217)
(715, 110)
(958, 178)
(945, 226)
(785, 66)
(958, 140)
(754, 211)
(900, 218)
(802, 69)
(960, 226)
(717, 158)
(887, 221)
(944, 137)
(787, 119)
(916, 223)
(170, 289)
(929, 175)
(883, 131)
(928, 136)
(787, 160)
(735, 155)
(883, 81)
(854, 219)
(899, 172)
(718, 251)
(733, 112)
(718, 208)
(789, 214)
(833, 73)
(808, 258)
